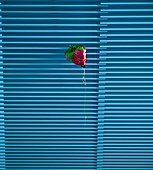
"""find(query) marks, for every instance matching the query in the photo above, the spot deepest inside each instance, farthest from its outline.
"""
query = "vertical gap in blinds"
(128, 114)
(2, 121)
(44, 93)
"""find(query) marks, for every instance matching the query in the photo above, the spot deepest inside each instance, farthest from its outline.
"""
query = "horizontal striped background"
(42, 94)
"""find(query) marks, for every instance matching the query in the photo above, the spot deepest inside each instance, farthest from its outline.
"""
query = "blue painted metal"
(128, 95)
(44, 93)
(2, 122)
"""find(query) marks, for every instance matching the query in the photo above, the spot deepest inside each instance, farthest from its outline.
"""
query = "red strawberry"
(77, 55)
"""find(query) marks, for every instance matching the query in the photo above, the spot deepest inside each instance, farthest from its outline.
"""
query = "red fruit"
(79, 58)
(77, 55)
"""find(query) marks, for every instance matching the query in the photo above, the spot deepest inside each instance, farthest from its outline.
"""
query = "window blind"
(43, 92)
(128, 113)
(2, 125)
(42, 95)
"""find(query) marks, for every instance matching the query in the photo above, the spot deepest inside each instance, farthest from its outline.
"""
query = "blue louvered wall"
(128, 113)
(2, 118)
(42, 94)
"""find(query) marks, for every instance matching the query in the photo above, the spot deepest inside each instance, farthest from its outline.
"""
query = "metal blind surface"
(44, 93)
(127, 46)
(2, 125)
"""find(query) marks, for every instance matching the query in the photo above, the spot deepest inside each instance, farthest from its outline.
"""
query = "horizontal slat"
(45, 100)
(78, 142)
(130, 51)
(127, 10)
(125, 29)
(49, 5)
(36, 132)
(70, 148)
(52, 137)
(103, 36)
(47, 78)
(44, 25)
(49, 83)
(43, 42)
(127, 34)
(126, 46)
(53, 166)
(126, 57)
(41, 139)
(48, 113)
(127, 3)
(54, 68)
(50, 105)
(52, 30)
(133, 23)
(53, 74)
(124, 40)
(129, 103)
(128, 16)
(55, 161)
(50, 54)
(52, 12)
(64, 167)
(48, 18)
(69, 124)
(46, 96)
(49, 48)
(42, 36)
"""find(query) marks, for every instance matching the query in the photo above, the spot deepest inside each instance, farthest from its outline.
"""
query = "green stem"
(84, 80)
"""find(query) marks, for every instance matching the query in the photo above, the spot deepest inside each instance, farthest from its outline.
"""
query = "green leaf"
(72, 50)
(80, 48)
(70, 56)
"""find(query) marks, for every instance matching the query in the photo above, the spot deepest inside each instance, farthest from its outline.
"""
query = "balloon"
(77, 55)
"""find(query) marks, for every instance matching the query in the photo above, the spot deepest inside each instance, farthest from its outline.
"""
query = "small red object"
(77, 55)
